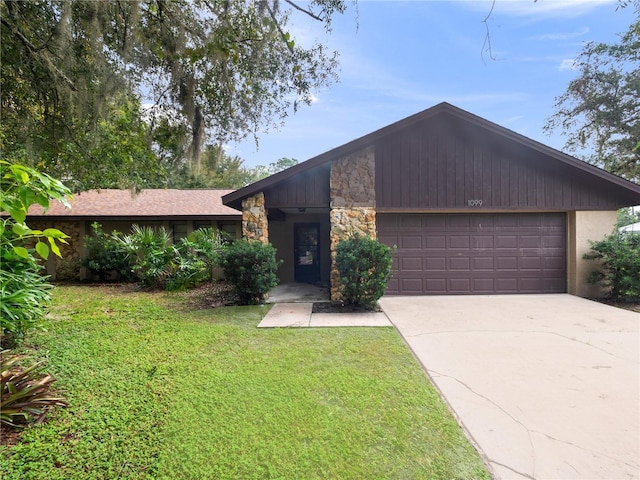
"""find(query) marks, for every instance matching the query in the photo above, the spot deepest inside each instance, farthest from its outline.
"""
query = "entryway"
(307, 252)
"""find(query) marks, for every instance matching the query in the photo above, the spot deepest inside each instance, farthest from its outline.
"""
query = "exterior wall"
(309, 189)
(443, 163)
(585, 226)
(353, 201)
(254, 219)
(68, 267)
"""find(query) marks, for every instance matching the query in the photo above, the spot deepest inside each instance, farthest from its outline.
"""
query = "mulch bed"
(633, 306)
(211, 295)
(328, 307)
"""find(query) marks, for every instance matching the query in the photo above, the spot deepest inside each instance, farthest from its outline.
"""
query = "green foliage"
(106, 254)
(147, 254)
(250, 266)
(25, 391)
(159, 390)
(364, 266)
(215, 169)
(24, 291)
(196, 258)
(151, 254)
(73, 74)
(619, 255)
(283, 163)
(598, 112)
(626, 216)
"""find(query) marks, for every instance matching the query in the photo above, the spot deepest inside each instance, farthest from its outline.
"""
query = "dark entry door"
(307, 252)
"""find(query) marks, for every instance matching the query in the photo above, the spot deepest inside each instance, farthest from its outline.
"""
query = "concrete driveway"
(546, 386)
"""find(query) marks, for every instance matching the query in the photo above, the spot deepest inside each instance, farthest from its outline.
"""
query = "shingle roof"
(147, 203)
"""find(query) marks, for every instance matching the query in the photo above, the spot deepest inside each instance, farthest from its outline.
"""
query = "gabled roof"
(154, 203)
(234, 199)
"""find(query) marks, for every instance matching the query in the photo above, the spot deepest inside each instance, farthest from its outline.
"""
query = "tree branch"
(298, 7)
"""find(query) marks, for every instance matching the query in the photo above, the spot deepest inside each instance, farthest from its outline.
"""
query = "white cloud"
(567, 64)
(564, 36)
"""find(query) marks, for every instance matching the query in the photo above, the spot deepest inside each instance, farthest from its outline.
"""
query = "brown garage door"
(476, 254)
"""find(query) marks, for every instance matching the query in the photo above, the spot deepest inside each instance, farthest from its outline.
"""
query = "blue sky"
(398, 58)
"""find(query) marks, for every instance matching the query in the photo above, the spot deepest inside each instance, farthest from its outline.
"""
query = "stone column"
(353, 201)
(254, 219)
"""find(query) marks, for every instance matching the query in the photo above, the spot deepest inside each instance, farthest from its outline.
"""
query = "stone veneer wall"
(353, 202)
(254, 219)
(67, 267)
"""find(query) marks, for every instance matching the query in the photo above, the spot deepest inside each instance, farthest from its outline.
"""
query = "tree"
(600, 111)
(224, 68)
(216, 170)
(626, 216)
(283, 163)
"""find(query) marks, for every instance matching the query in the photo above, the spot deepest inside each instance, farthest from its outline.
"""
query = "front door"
(307, 252)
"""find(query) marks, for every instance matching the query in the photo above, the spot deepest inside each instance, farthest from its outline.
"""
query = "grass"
(160, 391)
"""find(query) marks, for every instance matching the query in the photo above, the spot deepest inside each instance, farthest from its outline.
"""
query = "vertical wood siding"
(308, 189)
(444, 164)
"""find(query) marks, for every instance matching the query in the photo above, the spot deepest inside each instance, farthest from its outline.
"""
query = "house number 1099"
(474, 203)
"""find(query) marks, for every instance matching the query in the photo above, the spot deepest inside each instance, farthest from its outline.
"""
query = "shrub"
(24, 291)
(25, 391)
(151, 254)
(619, 254)
(250, 266)
(196, 257)
(106, 254)
(364, 266)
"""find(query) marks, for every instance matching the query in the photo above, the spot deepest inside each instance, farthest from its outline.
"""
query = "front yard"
(158, 389)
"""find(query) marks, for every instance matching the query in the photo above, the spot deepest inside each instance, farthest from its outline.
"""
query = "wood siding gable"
(308, 189)
(446, 162)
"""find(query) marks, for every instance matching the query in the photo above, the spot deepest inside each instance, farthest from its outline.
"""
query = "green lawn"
(159, 390)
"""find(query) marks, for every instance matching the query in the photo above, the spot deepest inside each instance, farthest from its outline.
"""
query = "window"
(228, 229)
(179, 231)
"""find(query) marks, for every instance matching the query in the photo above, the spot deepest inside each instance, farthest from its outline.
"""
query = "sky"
(398, 58)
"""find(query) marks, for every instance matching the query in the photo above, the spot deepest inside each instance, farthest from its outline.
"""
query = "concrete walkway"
(283, 315)
(547, 386)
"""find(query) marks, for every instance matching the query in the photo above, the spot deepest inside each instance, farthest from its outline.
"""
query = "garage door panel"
(554, 241)
(411, 285)
(436, 285)
(411, 264)
(530, 241)
(507, 285)
(410, 241)
(459, 242)
(435, 264)
(482, 263)
(506, 241)
(460, 285)
(506, 263)
(482, 241)
(435, 241)
(530, 263)
(460, 263)
(483, 285)
(479, 253)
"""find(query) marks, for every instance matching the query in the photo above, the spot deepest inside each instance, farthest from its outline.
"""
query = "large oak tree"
(75, 74)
